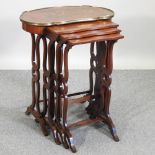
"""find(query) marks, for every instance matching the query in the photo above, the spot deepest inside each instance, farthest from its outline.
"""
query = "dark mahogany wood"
(85, 122)
(57, 42)
(35, 106)
(86, 34)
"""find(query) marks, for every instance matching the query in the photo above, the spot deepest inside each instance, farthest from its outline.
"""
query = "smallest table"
(61, 28)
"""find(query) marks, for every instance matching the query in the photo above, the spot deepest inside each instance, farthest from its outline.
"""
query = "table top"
(65, 15)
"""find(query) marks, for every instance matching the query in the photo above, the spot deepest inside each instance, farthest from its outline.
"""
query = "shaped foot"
(112, 129)
(69, 141)
(107, 119)
(43, 127)
(28, 112)
(64, 137)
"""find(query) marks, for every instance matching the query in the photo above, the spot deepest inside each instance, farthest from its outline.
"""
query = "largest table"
(61, 28)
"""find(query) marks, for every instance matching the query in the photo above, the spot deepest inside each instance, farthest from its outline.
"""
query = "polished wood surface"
(65, 15)
(70, 28)
(85, 34)
(57, 42)
(83, 26)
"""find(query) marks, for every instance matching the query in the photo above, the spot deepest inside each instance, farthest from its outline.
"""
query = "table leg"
(96, 62)
(91, 81)
(63, 134)
(48, 86)
(34, 108)
(106, 83)
(59, 55)
(68, 138)
(102, 65)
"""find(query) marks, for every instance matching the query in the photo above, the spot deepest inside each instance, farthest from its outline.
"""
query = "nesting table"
(61, 28)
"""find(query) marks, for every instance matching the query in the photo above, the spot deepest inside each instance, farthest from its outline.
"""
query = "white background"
(135, 17)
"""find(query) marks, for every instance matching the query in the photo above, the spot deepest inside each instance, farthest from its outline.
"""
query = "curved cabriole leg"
(106, 71)
(35, 109)
(68, 139)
